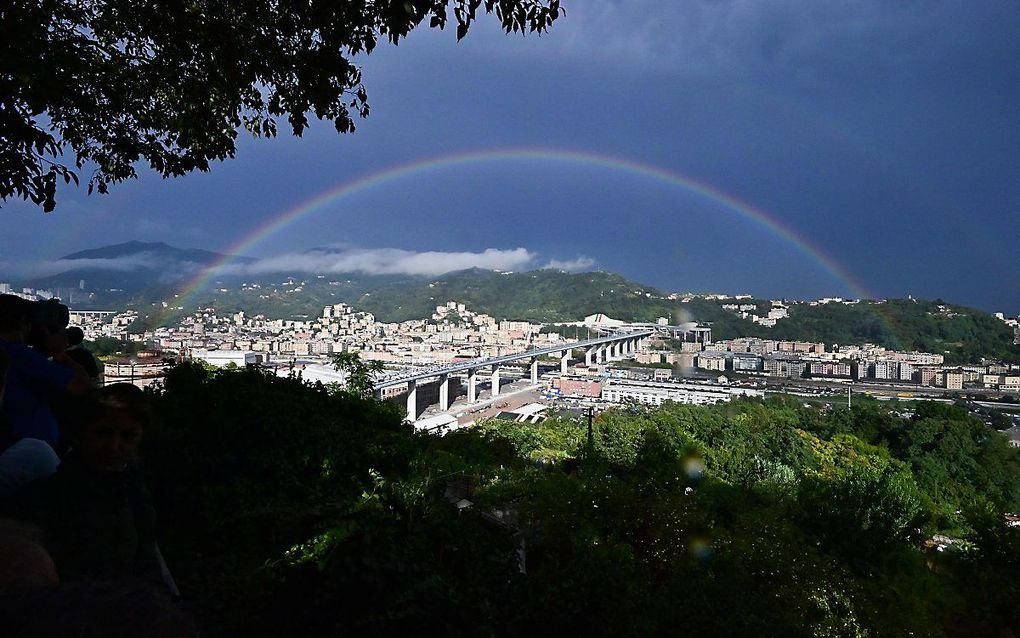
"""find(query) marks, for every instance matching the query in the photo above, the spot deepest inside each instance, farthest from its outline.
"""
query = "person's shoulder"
(28, 363)
(32, 502)
(85, 359)
(67, 489)
(24, 357)
(18, 351)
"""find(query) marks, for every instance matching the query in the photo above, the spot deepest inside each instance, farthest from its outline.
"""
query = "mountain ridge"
(131, 268)
(544, 296)
(135, 247)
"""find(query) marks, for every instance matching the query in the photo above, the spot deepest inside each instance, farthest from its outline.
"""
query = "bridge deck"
(473, 364)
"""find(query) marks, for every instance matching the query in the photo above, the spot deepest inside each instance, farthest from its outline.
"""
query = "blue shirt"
(31, 379)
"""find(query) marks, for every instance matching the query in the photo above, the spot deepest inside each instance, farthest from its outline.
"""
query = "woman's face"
(110, 442)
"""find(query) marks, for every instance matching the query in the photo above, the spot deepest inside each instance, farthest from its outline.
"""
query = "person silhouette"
(29, 432)
(95, 512)
(32, 379)
(80, 354)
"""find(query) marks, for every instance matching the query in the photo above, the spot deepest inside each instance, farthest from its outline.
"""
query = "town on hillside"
(431, 364)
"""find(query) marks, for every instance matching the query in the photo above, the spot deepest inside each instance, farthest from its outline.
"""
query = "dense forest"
(288, 508)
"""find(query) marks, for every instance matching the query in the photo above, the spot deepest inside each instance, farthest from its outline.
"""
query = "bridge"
(598, 350)
(693, 331)
(90, 314)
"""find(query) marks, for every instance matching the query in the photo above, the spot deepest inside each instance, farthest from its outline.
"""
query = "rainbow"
(575, 158)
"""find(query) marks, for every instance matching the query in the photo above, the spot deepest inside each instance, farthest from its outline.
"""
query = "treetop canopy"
(117, 82)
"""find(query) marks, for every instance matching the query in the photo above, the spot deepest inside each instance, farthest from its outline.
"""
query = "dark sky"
(885, 134)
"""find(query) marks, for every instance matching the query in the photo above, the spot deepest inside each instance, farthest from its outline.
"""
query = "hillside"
(143, 275)
(962, 334)
(966, 334)
(156, 249)
(541, 295)
(117, 274)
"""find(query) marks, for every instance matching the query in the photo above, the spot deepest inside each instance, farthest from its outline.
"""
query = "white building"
(657, 393)
(221, 358)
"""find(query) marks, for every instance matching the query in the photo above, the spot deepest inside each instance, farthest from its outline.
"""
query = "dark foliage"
(292, 508)
(118, 82)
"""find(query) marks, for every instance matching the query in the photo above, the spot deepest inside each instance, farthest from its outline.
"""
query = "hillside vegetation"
(541, 295)
(963, 334)
(294, 509)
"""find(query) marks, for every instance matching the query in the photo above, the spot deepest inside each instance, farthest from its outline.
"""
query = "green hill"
(540, 295)
(962, 334)
(151, 274)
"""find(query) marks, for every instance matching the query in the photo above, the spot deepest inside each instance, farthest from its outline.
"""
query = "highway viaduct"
(598, 350)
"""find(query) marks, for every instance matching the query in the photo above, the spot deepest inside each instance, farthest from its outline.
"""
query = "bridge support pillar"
(412, 400)
(472, 385)
(564, 359)
(495, 381)
(534, 369)
(444, 392)
(600, 353)
(589, 355)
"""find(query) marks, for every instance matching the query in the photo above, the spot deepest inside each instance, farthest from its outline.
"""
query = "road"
(511, 397)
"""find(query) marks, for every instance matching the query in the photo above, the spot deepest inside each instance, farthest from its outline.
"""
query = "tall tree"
(118, 82)
(360, 374)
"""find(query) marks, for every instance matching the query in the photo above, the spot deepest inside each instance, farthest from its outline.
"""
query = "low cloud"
(571, 265)
(333, 260)
(387, 261)
(46, 268)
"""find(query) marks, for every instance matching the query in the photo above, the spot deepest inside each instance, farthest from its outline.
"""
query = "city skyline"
(881, 143)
